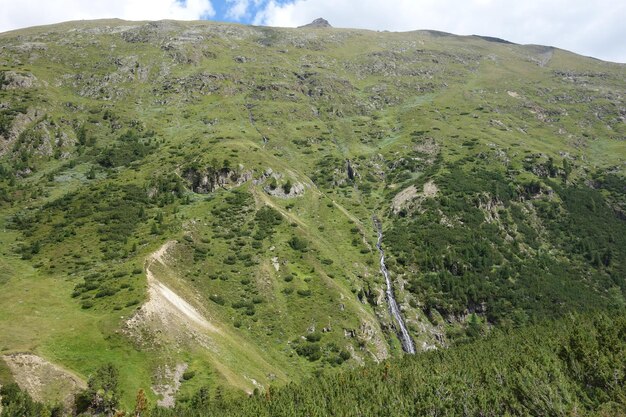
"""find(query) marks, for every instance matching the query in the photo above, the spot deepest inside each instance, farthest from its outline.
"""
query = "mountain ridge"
(497, 172)
(201, 22)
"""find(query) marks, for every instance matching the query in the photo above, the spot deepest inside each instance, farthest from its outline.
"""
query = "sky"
(589, 27)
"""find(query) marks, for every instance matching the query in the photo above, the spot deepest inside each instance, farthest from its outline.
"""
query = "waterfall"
(405, 338)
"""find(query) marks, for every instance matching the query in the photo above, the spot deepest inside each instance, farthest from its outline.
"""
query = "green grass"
(137, 110)
(5, 374)
(40, 317)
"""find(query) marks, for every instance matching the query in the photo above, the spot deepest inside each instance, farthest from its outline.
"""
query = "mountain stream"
(403, 335)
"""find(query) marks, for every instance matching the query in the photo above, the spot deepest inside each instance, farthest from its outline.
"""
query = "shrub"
(298, 244)
(217, 299)
(314, 337)
(311, 351)
(102, 393)
(106, 292)
(187, 375)
(287, 187)
(132, 303)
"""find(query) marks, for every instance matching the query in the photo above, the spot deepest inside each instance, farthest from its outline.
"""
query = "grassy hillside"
(193, 201)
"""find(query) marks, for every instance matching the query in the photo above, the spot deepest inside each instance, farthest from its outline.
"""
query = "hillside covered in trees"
(574, 366)
(190, 216)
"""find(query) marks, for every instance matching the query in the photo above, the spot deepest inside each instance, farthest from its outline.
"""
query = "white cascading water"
(405, 338)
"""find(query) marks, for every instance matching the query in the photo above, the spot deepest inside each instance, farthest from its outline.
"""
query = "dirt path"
(167, 313)
(165, 305)
(171, 318)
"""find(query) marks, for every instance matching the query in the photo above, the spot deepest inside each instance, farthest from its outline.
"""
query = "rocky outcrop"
(20, 123)
(350, 171)
(12, 80)
(170, 380)
(286, 190)
(410, 198)
(276, 186)
(206, 180)
(317, 23)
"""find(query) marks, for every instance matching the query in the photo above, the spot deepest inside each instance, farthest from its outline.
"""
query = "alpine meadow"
(213, 219)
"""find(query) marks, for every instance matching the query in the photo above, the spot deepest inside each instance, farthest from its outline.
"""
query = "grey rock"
(317, 23)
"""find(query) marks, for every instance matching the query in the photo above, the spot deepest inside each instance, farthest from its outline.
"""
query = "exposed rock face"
(171, 378)
(11, 80)
(349, 170)
(13, 130)
(207, 180)
(295, 190)
(318, 23)
(269, 173)
(410, 198)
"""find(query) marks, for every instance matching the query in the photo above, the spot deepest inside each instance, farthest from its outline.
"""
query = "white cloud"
(593, 28)
(238, 9)
(24, 13)
(242, 9)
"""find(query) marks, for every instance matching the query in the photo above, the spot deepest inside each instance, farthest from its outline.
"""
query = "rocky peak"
(318, 23)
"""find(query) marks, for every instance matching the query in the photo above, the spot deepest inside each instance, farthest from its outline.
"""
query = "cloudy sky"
(596, 28)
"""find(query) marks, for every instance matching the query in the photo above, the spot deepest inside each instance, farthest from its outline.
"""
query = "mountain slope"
(263, 154)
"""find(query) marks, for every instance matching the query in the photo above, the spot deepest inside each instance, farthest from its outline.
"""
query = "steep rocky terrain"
(194, 202)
